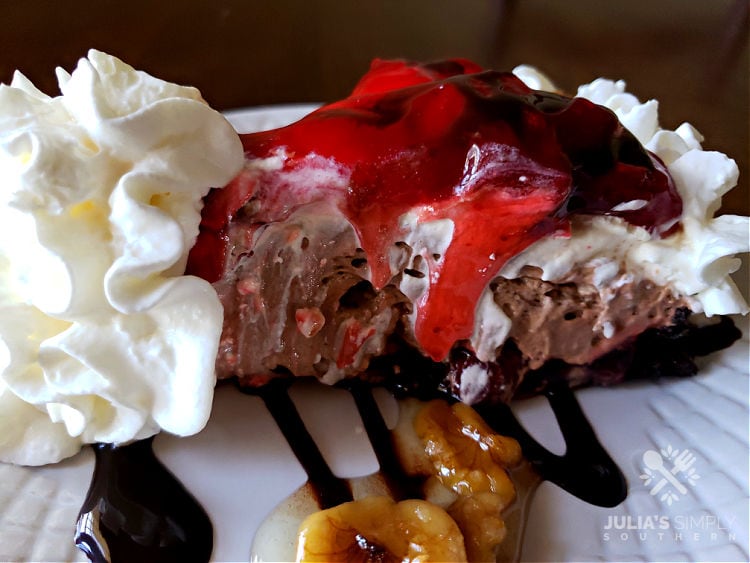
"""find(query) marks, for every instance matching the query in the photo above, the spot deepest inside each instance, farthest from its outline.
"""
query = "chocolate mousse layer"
(573, 321)
(297, 300)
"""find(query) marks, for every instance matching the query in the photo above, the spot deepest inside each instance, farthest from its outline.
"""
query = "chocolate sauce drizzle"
(401, 485)
(329, 489)
(136, 510)
(586, 470)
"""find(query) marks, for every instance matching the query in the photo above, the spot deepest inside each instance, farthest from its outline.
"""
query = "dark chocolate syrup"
(586, 470)
(329, 489)
(401, 485)
(136, 510)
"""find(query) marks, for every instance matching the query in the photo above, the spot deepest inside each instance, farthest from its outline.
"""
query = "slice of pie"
(446, 225)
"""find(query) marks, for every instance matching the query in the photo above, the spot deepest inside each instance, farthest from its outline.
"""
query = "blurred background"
(691, 55)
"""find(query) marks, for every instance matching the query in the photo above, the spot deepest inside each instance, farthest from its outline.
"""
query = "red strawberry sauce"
(505, 163)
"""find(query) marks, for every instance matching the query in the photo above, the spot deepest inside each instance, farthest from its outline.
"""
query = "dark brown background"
(692, 55)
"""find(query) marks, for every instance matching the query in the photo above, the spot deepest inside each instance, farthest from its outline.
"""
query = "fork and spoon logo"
(662, 469)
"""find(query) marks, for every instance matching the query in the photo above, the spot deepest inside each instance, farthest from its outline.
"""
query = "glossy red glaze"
(505, 163)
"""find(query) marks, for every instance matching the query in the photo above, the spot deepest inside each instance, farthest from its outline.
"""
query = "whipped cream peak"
(696, 260)
(102, 337)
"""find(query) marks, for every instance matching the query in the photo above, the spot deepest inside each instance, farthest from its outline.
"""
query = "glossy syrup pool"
(136, 510)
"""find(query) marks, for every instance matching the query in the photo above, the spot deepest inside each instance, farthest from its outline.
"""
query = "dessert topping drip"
(586, 470)
(443, 464)
(136, 510)
(506, 164)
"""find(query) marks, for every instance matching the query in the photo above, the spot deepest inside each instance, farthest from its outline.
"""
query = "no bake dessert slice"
(456, 221)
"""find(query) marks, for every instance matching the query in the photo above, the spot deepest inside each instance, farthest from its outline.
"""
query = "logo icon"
(661, 471)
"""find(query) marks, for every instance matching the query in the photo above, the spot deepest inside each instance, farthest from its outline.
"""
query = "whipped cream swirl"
(102, 337)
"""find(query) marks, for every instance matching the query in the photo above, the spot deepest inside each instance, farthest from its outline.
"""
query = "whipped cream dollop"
(102, 337)
(695, 261)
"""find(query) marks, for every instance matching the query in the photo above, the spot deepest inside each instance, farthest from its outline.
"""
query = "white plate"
(240, 467)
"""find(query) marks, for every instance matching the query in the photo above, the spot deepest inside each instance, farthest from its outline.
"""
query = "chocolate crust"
(662, 352)
(657, 353)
